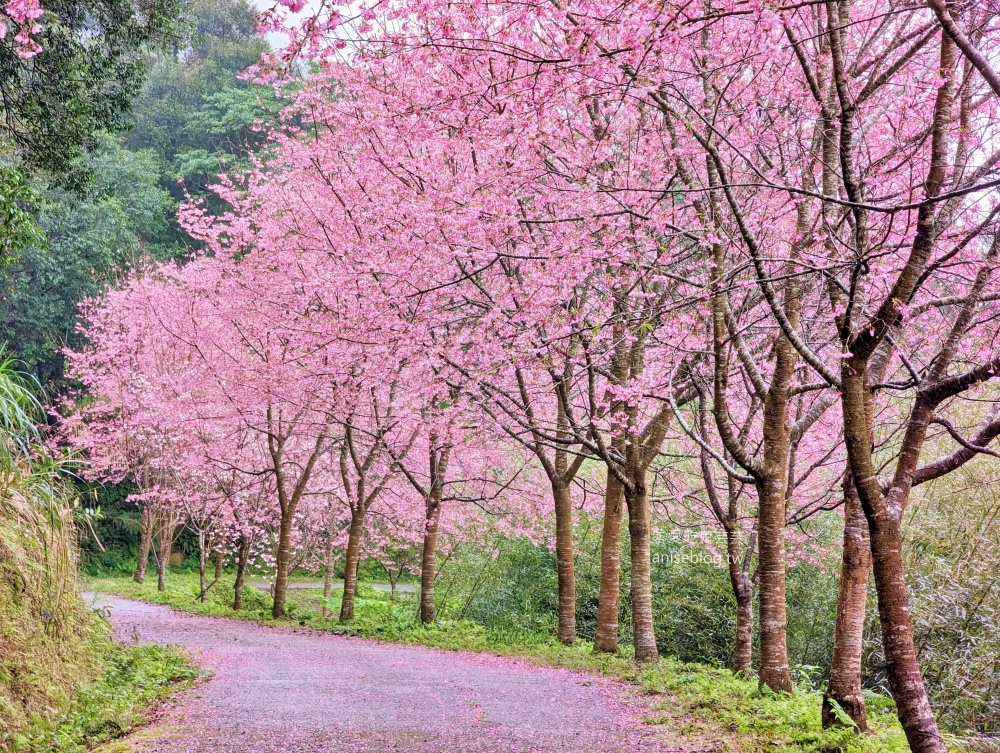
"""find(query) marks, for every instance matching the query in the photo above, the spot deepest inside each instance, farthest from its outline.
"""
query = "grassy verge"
(700, 702)
(134, 680)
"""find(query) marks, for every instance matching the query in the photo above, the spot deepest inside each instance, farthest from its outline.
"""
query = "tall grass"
(63, 684)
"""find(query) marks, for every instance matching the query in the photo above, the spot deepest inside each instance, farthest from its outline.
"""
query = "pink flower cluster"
(23, 13)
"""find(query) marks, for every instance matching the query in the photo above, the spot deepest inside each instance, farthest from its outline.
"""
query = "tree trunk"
(743, 591)
(219, 564)
(284, 555)
(643, 633)
(328, 554)
(202, 566)
(775, 672)
(606, 640)
(241, 571)
(884, 517)
(328, 563)
(164, 545)
(145, 543)
(566, 632)
(844, 687)
(903, 668)
(772, 494)
(428, 560)
(743, 653)
(351, 565)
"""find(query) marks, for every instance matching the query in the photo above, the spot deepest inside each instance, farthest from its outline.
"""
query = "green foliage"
(194, 111)
(91, 240)
(134, 679)
(763, 720)
(115, 527)
(82, 83)
(18, 228)
(511, 590)
(513, 593)
(693, 605)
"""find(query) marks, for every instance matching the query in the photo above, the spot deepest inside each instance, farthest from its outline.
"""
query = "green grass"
(134, 680)
(693, 700)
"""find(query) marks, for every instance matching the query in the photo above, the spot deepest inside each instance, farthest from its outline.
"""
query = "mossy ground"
(712, 705)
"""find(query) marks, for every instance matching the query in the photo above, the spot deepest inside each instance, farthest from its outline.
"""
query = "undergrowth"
(692, 699)
(119, 699)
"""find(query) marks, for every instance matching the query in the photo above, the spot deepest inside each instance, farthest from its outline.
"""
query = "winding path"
(277, 690)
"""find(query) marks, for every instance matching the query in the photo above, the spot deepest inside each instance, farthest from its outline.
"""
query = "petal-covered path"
(280, 690)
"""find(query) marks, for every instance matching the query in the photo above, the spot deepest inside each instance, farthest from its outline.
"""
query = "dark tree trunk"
(743, 591)
(844, 686)
(566, 632)
(145, 543)
(905, 680)
(606, 640)
(328, 563)
(202, 567)
(242, 559)
(351, 559)
(884, 518)
(164, 545)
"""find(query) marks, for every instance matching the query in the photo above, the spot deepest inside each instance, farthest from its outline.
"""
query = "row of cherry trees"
(498, 247)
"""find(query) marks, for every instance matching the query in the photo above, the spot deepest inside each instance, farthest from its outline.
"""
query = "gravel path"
(276, 690)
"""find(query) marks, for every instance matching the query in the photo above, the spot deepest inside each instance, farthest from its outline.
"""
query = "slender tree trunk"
(202, 566)
(743, 655)
(328, 563)
(351, 565)
(606, 640)
(145, 543)
(284, 555)
(242, 559)
(428, 559)
(905, 680)
(772, 492)
(643, 633)
(220, 562)
(566, 632)
(164, 545)
(743, 591)
(844, 687)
